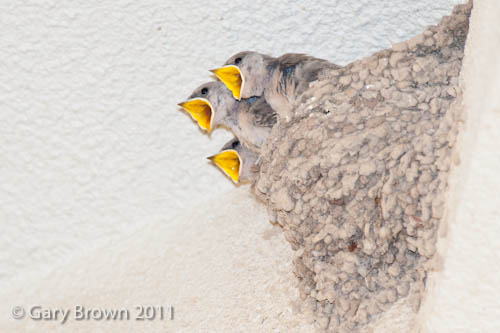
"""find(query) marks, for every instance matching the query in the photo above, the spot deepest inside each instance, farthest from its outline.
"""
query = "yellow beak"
(201, 110)
(229, 162)
(232, 78)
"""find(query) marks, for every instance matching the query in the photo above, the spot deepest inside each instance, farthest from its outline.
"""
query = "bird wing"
(263, 114)
(292, 59)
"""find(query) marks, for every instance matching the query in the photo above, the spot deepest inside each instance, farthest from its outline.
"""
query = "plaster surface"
(92, 145)
(464, 296)
(218, 269)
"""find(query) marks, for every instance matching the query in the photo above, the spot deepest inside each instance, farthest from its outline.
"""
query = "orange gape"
(229, 162)
(232, 78)
(201, 110)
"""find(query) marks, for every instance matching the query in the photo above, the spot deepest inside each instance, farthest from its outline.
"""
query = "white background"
(92, 143)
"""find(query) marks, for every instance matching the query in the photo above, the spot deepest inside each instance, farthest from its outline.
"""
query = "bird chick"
(237, 161)
(213, 105)
(280, 80)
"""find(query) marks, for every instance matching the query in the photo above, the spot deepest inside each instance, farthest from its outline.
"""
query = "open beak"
(232, 78)
(201, 110)
(229, 161)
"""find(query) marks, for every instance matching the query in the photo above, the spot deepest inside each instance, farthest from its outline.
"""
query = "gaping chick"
(280, 80)
(237, 161)
(213, 105)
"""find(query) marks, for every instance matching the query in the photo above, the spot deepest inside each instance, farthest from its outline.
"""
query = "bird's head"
(229, 160)
(236, 161)
(244, 74)
(209, 104)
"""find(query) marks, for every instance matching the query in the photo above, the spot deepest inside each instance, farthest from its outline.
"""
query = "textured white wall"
(92, 144)
(465, 295)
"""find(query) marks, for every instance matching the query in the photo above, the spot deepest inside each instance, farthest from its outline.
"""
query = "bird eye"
(235, 144)
(204, 91)
(237, 61)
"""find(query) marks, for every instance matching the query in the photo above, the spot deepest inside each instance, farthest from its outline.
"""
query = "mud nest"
(357, 178)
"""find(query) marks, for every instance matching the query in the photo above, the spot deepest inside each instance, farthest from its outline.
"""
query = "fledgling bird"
(280, 80)
(213, 105)
(237, 161)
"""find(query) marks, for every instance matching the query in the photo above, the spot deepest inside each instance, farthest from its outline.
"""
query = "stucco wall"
(92, 145)
(464, 294)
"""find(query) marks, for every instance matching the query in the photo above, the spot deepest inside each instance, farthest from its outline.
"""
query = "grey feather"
(264, 115)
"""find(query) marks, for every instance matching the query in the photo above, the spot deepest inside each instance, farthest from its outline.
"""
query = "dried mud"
(358, 177)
